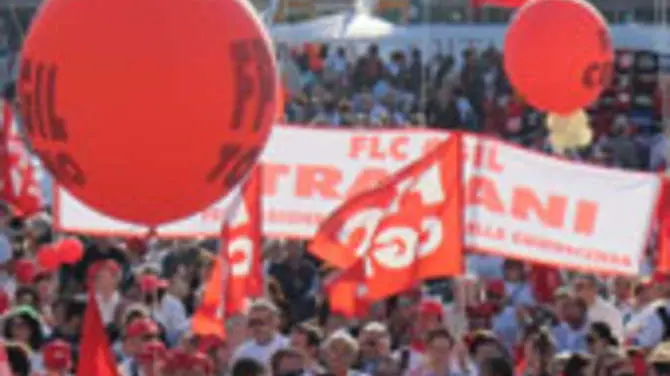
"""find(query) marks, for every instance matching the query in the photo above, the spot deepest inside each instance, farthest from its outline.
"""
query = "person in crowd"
(659, 360)
(375, 344)
(138, 332)
(263, 322)
(307, 339)
(57, 358)
(572, 331)
(248, 367)
(496, 366)
(430, 316)
(600, 338)
(577, 364)
(538, 352)
(287, 362)
(106, 276)
(442, 356)
(340, 353)
(599, 309)
(297, 279)
(18, 359)
(151, 359)
(483, 345)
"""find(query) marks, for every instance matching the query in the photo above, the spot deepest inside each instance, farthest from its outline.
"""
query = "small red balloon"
(70, 250)
(148, 111)
(558, 54)
(48, 258)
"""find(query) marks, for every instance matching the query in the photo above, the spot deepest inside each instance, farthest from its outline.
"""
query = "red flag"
(18, 183)
(237, 274)
(498, 3)
(345, 291)
(241, 247)
(95, 355)
(408, 229)
(209, 318)
(663, 219)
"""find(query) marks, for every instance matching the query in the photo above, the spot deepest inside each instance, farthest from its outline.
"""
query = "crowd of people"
(504, 317)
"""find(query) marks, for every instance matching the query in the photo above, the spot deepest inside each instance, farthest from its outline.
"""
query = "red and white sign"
(518, 203)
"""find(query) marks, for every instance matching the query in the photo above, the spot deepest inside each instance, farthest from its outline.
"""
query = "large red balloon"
(148, 110)
(558, 54)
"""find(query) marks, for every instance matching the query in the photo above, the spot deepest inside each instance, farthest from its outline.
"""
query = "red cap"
(25, 271)
(431, 308)
(150, 283)
(140, 327)
(57, 356)
(151, 352)
(202, 362)
(496, 287)
(107, 264)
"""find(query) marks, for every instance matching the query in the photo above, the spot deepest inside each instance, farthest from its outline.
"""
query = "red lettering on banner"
(585, 217)
(483, 191)
(326, 182)
(486, 157)
(367, 179)
(271, 174)
(377, 148)
(431, 144)
(318, 180)
(552, 214)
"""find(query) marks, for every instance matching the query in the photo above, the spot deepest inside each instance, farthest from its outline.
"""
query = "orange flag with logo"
(95, 354)
(345, 292)
(209, 318)
(242, 246)
(407, 229)
(237, 274)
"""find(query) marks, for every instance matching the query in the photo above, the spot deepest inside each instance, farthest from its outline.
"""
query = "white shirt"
(172, 315)
(604, 311)
(646, 328)
(252, 350)
(108, 308)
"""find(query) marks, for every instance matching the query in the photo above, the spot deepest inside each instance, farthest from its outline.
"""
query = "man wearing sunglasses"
(263, 327)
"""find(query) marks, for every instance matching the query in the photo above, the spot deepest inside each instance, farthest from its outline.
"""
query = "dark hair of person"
(439, 333)
(576, 364)
(248, 367)
(313, 334)
(18, 359)
(497, 366)
(28, 290)
(603, 331)
(280, 355)
(543, 343)
(36, 335)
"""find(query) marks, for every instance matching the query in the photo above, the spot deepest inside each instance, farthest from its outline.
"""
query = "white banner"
(519, 203)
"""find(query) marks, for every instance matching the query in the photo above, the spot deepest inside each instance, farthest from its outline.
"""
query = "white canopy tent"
(339, 27)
